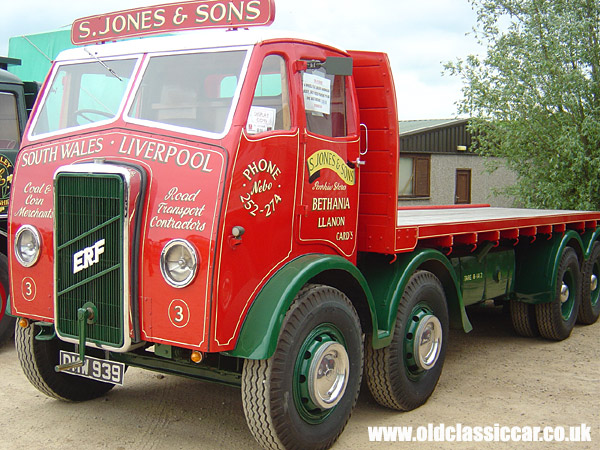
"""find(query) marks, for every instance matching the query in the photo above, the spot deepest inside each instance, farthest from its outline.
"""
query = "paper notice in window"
(261, 119)
(317, 93)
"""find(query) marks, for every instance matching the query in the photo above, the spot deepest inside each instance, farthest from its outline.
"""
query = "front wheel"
(302, 397)
(38, 359)
(404, 374)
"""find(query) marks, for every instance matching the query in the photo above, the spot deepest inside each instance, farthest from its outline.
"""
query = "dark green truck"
(16, 100)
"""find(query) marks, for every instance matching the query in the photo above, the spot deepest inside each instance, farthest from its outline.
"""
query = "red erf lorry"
(223, 205)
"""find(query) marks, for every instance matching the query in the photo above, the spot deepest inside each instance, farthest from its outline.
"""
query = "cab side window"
(325, 103)
(270, 108)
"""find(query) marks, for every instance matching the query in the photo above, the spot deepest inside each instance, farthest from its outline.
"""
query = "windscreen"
(84, 93)
(192, 90)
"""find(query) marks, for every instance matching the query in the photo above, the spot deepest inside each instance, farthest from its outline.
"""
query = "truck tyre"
(38, 359)
(404, 374)
(302, 397)
(7, 323)
(523, 319)
(589, 310)
(557, 318)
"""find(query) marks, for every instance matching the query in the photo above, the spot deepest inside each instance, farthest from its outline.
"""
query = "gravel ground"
(490, 377)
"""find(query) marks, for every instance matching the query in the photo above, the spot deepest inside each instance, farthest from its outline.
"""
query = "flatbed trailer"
(224, 207)
(473, 225)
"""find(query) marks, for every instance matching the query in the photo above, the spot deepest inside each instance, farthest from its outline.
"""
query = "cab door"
(258, 228)
(330, 183)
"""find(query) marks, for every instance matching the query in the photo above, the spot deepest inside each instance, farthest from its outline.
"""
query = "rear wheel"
(589, 310)
(404, 374)
(557, 318)
(523, 319)
(38, 359)
(302, 397)
(7, 323)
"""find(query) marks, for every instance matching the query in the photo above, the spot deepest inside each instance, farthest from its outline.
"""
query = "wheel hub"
(328, 375)
(568, 292)
(422, 341)
(428, 342)
(594, 285)
(593, 282)
(321, 373)
(564, 293)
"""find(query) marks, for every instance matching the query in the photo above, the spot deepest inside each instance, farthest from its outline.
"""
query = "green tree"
(535, 97)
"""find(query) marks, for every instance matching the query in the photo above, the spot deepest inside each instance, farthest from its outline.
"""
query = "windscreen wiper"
(112, 72)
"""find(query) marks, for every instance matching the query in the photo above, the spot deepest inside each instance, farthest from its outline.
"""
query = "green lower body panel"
(230, 377)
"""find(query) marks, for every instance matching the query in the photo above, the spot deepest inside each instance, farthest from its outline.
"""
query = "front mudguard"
(260, 330)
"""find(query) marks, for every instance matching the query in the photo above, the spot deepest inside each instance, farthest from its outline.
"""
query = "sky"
(418, 36)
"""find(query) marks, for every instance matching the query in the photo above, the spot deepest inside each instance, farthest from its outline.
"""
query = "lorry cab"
(212, 158)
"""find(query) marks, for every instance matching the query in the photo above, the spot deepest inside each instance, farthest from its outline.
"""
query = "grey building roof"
(434, 136)
(420, 126)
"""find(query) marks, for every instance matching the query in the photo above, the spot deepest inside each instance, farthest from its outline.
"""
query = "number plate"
(94, 368)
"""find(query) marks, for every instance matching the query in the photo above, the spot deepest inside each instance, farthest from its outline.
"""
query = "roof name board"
(167, 18)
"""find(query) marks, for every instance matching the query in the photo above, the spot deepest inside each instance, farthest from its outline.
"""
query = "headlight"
(178, 263)
(27, 245)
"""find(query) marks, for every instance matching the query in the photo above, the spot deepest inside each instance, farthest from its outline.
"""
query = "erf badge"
(6, 176)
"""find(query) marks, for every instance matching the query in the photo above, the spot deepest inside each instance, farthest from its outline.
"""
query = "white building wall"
(483, 183)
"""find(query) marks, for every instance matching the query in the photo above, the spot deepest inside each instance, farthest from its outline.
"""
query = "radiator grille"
(90, 253)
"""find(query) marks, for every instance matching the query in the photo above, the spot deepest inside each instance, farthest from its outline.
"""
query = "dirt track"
(490, 377)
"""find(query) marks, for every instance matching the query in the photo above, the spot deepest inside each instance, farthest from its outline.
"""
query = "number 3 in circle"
(179, 313)
(28, 288)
